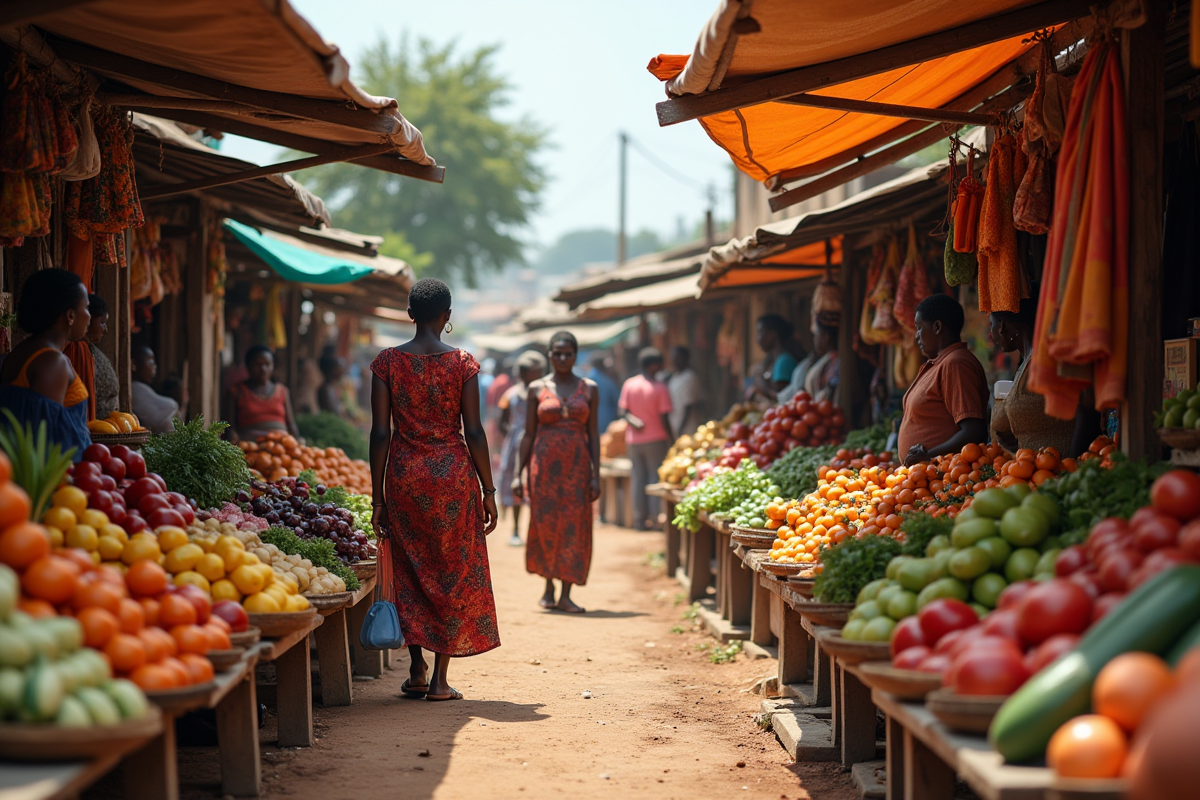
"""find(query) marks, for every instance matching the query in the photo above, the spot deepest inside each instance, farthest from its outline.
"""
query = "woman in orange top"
(259, 405)
(37, 382)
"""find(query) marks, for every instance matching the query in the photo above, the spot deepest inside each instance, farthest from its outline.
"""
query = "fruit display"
(1180, 411)
(801, 422)
(293, 504)
(1102, 487)
(311, 578)
(279, 455)
(705, 444)
(721, 492)
(116, 422)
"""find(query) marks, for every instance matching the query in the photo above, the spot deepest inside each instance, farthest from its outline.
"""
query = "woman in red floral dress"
(429, 462)
(561, 447)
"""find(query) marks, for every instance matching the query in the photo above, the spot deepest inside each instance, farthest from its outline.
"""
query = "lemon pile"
(312, 579)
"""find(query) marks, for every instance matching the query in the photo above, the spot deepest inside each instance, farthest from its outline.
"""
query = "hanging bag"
(381, 628)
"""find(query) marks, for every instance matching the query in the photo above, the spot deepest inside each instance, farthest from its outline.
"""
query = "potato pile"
(312, 579)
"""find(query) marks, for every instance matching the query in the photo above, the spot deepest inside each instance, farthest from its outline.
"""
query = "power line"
(670, 171)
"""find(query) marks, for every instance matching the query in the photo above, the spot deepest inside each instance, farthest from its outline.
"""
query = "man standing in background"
(608, 393)
(646, 405)
(684, 386)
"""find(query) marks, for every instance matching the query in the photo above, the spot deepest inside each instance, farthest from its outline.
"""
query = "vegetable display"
(328, 430)
(722, 492)
(293, 504)
(196, 462)
(278, 455)
(1094, 492)
(319, 552)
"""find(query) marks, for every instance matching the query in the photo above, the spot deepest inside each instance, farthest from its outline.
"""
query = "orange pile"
(826, 516)
(278, 455)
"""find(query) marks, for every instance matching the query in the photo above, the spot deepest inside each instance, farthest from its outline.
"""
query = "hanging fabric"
(1083, 313)
(913, 285)
(999, 264)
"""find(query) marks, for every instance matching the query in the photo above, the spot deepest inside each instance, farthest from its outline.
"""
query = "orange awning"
(795, 264)
(765, 139)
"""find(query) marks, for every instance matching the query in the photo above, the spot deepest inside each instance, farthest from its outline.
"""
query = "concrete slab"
(758, 651)
(804, 737)
(803, 692)
(870, 778)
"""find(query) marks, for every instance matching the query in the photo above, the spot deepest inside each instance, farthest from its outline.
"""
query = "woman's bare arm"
(477, 444)
(531, 426)
(593, 433)
(381, 438)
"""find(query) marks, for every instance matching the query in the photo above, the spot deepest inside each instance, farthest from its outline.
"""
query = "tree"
(576, 249)
(470, 224)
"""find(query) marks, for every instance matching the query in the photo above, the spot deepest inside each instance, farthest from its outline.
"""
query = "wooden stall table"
(924, 756)
(63, 780)
(151, 772)
(670, 497)
(615, 492)
(727, 618)
(336, 638)
(293, 684)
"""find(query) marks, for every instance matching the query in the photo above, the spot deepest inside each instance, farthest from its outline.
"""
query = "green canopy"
(295, 263)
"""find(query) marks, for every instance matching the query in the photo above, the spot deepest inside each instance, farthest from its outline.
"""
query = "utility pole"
(710, 231)
(621, 201)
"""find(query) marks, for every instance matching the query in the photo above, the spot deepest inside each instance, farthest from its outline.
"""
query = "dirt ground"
(662, 720)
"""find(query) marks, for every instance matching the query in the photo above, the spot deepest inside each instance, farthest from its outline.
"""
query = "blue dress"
(66, 425)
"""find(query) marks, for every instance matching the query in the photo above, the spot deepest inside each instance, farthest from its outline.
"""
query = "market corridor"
(662, 721)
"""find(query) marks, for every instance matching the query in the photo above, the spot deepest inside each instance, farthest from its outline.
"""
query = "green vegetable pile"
(796, 471)
(873, 438)
(198, 463)
(1092, 493)
(329, 430)
(319, 551)
(722, 492)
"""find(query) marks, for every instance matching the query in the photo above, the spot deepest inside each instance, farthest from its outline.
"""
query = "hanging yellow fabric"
(276, 330)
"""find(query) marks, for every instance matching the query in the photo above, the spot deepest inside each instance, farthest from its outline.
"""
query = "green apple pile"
(1004, 536)
(1180, 411)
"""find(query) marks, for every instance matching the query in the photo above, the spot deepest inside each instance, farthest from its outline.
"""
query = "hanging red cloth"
(1082, 332)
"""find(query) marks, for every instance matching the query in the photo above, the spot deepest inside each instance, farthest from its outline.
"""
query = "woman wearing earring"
(433, 494)
(561, 449)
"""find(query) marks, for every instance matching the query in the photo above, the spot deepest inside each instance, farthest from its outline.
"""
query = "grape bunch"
(722, 492)
(292, 504)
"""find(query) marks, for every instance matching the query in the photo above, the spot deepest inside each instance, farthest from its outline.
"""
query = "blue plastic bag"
(381, 628)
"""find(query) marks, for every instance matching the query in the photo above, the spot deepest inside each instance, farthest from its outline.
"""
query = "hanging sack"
(85, 163)
(381, 628)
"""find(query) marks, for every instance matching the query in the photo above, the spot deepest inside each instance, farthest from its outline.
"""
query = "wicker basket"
(781, 570)
(967, 713)
(133, 440)
(1180, 438)
(752, 538)
(21, 742)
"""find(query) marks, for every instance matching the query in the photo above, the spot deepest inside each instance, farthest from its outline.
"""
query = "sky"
(578, 68)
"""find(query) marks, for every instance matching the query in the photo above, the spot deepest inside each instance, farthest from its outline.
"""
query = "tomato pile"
(800, 422)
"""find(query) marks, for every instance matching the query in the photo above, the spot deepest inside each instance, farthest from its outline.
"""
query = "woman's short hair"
(564, 337)
(648, 356)
(428, 299)
(257, 350)
(944, 309)
(773, 322)
(45, 296)
(97, 305)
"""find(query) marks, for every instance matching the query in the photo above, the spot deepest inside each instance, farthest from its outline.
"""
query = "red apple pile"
(116, 482)
(801, 422)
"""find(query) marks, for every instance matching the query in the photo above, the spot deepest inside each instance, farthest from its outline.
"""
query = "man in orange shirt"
(946, 406)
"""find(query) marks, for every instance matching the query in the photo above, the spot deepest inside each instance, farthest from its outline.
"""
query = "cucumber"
(43, 692)
(1186, 642)
(128, 697)
(1151, 619)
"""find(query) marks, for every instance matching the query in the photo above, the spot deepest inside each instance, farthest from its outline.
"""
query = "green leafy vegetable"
(1092, 493)
(198, 463)
(796, 471)
(851, 565)
(329, 430)
(722, 492)
(319, 551)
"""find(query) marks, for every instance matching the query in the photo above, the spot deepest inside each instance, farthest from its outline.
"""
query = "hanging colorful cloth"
(913, 285)
(275, 328)
(999, 260)
(1083, 313)
(966, 209)
(866, 334)
(883, 298)
(103, 207)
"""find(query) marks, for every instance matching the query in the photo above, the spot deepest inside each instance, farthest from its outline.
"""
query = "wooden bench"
(616, 495)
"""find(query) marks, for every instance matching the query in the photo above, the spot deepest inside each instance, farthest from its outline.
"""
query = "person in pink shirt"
(646, 405)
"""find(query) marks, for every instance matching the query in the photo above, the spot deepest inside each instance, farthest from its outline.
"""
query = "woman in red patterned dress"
(561, 447)
(429, 463)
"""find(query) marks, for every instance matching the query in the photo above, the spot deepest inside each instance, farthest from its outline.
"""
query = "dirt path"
(662, 721)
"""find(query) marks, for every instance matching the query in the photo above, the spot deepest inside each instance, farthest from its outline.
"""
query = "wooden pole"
(345, 154)
(1142, 55)
(847, 362)
(830, 73)
(622, 175)
(890, 109)
(201, 340)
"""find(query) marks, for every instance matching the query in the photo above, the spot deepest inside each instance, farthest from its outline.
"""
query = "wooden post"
(201, 340)
(1142, 55)
(741, 591)
(293, 696)
(672, 536)
(366, 662)
(824, 671)
(857, 714)
(333, 654)
(152, 772)
(895, 760)
(926, 776)
(760, 616)
(124, 325)
(699, 563)
(793, 649)
(237, 734)
(847, 361)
